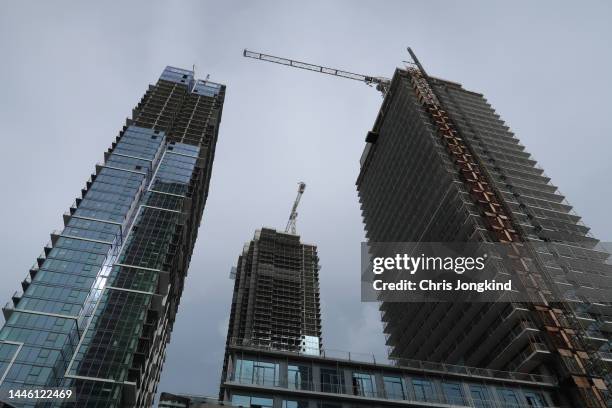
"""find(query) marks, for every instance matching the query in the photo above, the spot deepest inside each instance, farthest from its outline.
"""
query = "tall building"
(98, 305)
(276, 294)
(274, 356)
(441, 166)
(275, 304)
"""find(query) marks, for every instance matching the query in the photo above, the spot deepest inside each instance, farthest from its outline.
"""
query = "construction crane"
(381, 83)
(582, 369)
(293, 216)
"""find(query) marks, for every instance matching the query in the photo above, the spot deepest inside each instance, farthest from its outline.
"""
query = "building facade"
(440, 166)
(99, 303)
(274, 379)
(275, 303)
(167, 400)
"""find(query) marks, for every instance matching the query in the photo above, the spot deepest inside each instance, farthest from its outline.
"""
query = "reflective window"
(265, 373)
(480, 396)
(535, 399)
(256, 372)
(394, 387)
(453, 393)
(364, 384)
(299, 377)
(509, 398)
(423, 390)
(249, 401)
(294, 404)
(332, 380)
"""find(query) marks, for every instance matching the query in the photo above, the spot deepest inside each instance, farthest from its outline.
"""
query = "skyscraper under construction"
(276, 294)
(99, 303)
(275, 304)
(440, 166)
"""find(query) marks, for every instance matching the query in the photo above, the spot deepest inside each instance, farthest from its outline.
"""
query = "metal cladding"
(100, 302)
(440, 166)
(275, 304)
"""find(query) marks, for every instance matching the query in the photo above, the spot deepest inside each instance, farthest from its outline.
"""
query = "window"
(423, 390)
(535, 399)
(299, 377)
(332, 380)
(480, 396)
(364, 384)
(509, 398)
(453, 393)
(256, 372)
(265, 373)
(249, 401)
(394, 387)
(294, 404)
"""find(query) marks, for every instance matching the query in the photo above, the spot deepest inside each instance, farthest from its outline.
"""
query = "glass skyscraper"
(99, 303)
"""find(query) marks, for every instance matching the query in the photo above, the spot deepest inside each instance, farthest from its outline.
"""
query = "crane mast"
(381, 83)
(293, 216)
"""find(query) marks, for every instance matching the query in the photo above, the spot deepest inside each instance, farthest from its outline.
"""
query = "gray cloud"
(72, 71)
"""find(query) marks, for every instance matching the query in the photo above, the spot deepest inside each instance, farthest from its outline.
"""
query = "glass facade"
(453, 393)
(296, 380)
(364, 384)
(480, 396)
(394, 387)
(250, 401)
(299, 377)
(99, 303)
(257, 372)
(332, 380)
(423, 390)
(294, 404)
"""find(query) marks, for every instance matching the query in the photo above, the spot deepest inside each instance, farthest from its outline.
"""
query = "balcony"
(595, 338)
(517, 339)
(497, 333)
(584, 317)
(26, 283)
(7, 310)
(34, 270)
(606, 324)
(605, 356)
(601, 308)
(41, 258)
(530, 357)
(16, 298)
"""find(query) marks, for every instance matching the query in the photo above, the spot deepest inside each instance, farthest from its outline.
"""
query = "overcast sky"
(71, 72)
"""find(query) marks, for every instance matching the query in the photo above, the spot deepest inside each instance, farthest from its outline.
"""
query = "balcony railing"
(430, 396)
(417, 365)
